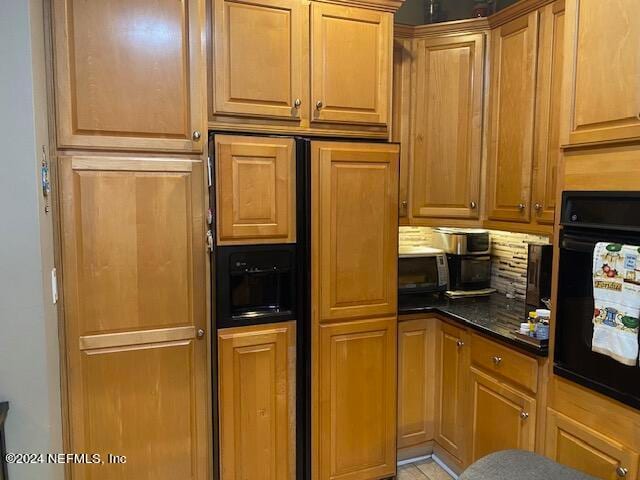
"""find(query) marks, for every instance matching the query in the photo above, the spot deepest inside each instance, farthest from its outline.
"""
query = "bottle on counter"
(542, 330)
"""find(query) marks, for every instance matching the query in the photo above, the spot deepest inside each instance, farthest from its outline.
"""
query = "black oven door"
(574, 328)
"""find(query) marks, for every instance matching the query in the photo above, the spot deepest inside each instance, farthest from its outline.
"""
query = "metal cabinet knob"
(524, 415)
(196, 135)
(473, 205)
(319, 104)
(622, 472)
(521, 206)
(538, 206)
(200, 333)
(497, 360)
(297, 103)
(460, 343)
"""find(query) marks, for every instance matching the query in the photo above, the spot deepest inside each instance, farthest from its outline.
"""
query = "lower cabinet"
(502, 417)
(355, 401)
(452, 374)
(416, 386)
(256, 368)
(578, 446)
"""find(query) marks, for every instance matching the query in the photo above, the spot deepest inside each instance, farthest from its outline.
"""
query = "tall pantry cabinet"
(130, 106)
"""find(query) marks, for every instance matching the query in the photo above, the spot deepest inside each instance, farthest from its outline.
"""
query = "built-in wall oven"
(586, 219)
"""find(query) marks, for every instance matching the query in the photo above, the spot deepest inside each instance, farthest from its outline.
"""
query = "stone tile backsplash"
(508, 256)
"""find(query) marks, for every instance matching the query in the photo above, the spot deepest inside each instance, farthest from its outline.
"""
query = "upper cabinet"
(351, 51)
(259, 57)
(447, 153)
(478, 148)
(510, 159)
(548, 151)
(290, 66)
(129, 74)
(603, 91)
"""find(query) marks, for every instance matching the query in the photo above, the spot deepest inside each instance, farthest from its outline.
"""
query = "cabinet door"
(355, 430)
(502, 418)
(134, 298)
(351, 50)
(354, 215)
(401, 123)
(447, 155)
(255, 189)
(259, 51)
(453, 365)
(129, 74)
(604, 98)
(513, 50)
(256, 369)
(580, 447)
(548, 152)
(416, 382)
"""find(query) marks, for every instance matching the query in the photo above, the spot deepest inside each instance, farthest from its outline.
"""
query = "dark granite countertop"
(495, 315)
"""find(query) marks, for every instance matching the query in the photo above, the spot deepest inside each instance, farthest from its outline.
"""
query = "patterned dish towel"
(616, 291)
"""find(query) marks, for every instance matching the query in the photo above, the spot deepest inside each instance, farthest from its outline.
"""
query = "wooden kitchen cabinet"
(416, 381)
(548, 112)
(514, 49)
(602, 95)
(354, 239)
(578, 446)
(255, 189)
(401, 124)
(502, 417)
(354, 425)
(452, 376)
(447, 130)
(256, 370)
(351, 62)
(130, 75)
(260, 51)
(135, 343)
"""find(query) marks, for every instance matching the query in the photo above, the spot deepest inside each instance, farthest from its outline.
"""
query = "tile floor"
(423, 470)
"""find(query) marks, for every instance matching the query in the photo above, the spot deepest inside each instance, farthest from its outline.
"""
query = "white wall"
(29, 362)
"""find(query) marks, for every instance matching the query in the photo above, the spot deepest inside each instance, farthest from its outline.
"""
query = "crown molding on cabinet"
(384, 5)
(472, 25)
(516, 10)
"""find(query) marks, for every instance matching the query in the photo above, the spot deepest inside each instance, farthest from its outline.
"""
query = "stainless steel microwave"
(422, 270)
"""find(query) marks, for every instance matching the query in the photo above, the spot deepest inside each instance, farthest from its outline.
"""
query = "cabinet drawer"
(504, 361)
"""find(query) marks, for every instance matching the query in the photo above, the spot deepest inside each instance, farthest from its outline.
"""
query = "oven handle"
(576, 245)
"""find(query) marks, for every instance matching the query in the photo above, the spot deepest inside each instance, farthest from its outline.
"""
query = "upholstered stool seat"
(520, 465)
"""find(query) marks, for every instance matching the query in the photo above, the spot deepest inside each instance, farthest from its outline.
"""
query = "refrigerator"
(299, 309)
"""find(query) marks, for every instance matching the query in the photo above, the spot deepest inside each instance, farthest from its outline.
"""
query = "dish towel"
(616, 292)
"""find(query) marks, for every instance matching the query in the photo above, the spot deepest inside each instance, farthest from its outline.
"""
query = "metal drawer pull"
(524, 415)
(200, 333)
(497, 360)
(297, 103)
(622, 472)
(460, 343)
(521, 206)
